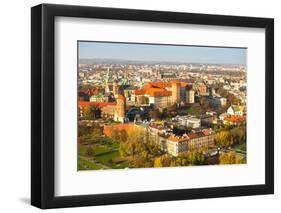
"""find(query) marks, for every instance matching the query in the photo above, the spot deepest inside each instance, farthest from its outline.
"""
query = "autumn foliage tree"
(227, 158)
(115, 135)
(123, 136)
(224, 139)
(138, 145)
(88, 114)
(239, 134)
(162, 161)
(195, 157)
(130, 141)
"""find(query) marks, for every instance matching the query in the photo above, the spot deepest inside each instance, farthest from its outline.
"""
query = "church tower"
(175, 92)
(107, 78)
(115, 89)
(189, 96)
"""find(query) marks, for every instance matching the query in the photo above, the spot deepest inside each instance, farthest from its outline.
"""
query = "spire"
(107, 75)
(107, 78)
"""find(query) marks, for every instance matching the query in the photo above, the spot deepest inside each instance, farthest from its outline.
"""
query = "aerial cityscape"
(148, 105)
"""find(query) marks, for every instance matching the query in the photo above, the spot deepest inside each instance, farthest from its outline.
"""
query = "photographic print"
(160, 105)
(123, 94)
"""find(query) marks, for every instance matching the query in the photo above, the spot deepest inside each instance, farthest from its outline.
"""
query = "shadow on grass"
(105, 153)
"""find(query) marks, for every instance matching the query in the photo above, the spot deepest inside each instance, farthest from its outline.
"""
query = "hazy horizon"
(161, 53)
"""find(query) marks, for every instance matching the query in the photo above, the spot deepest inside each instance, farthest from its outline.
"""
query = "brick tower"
(120, 108)
(175, 92)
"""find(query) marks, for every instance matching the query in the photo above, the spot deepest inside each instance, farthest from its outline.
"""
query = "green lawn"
(121, 165)
(105, 156)
(87, 165)
(81, 150)
(240, 149)
(109, 157)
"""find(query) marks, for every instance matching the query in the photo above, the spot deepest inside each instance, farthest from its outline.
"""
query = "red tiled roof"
(157, 84)
(90, 91)
(139, 92)
(156, 88)
(161, 84)
(98, 104)
(194, 135)
(235, 118)
(178, 138)
(154, 92)
(207, 131)
(189, 136)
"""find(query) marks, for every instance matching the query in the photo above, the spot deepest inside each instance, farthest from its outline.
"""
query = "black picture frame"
(43, 105)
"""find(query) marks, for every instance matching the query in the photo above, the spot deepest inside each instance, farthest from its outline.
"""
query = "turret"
(120, 108)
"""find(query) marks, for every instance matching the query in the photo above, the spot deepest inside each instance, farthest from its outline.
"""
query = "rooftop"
(98, 104)
(189, 136)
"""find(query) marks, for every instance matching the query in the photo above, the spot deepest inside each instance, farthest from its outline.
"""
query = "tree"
(138, 161)
(227, 158)
(232, 99)
(123, 149)
(136, 136)
(162, 161)
(243, 147)
(194, 157)
(88, 114)
(123, 136)
(154, 114)
(222, 92)
(240, 160)
(239, 134)
(205, 104)
(115, 135)
(80, 140)
(131, 142)
(96, 112)
(131, 150)
(83, 130)
(90, 152)
(223, 139)
(96, 135)
(195, 109)
(158, 162)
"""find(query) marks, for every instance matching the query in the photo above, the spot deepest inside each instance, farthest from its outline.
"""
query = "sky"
(161, 53)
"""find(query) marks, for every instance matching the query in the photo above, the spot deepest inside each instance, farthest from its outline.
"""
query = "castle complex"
(163, 94)
(111, 103)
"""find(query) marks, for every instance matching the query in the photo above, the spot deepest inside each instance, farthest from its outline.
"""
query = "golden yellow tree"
(223, 139)
(227, 158)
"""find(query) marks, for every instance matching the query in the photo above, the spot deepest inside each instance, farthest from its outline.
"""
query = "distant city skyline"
(163, 53)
